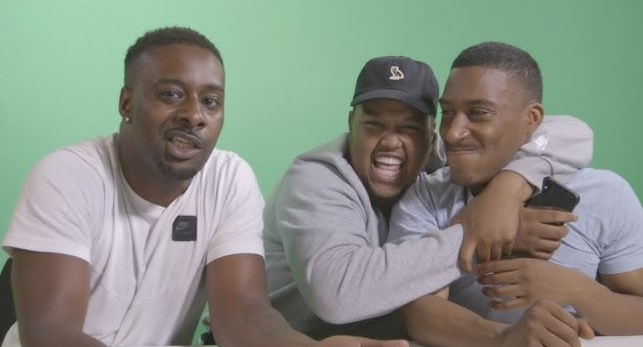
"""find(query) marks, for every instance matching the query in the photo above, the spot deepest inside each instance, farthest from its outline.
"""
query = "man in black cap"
(325, 225)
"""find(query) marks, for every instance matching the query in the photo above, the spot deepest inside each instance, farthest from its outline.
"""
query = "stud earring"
(127, 120)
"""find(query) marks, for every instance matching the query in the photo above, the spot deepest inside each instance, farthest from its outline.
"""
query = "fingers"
(483, 253)
(364, 342)
(550, 216)
(546, 246)
(509, 304)
(506, 297)
(562, 325)
(496, 252)
(506, 250)
(501, 265)
(551, 232)
(541, 255)
(356, 341)
(466, 254)
(486, 252)
(498, 278)
(584, 330)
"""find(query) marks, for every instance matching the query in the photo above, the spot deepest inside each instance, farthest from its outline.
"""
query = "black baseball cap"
(399, 78)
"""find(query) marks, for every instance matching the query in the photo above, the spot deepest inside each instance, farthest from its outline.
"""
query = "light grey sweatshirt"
(326, 257)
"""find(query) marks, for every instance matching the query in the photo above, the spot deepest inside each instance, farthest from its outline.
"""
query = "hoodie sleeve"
(334, 245)
(559, 148)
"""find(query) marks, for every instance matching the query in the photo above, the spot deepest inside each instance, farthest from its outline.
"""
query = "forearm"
(510, 185)
(608, 312)
(559, 147)
(350, 283)
(434, 321)
(53, 335)
(255, 325)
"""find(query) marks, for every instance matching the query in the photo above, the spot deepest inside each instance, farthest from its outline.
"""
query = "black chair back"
(7, 309)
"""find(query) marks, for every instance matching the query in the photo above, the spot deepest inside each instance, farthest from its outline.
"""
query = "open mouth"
(182, 146)
(386, 168)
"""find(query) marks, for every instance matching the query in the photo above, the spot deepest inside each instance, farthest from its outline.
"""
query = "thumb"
(466, 254)
(584, 330)
(365, 342)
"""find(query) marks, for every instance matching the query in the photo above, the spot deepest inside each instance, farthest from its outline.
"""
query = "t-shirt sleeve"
(239, 229)
(622, 225)
(415, 214)
(559, 148)
(56, 209)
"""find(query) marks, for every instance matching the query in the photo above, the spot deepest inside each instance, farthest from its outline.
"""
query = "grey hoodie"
(327, 260)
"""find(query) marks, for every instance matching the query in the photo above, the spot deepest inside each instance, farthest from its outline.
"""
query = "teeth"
(182, 142)
(388, 160)
(388, 173)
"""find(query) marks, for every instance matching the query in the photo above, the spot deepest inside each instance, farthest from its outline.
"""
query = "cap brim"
(391, 94)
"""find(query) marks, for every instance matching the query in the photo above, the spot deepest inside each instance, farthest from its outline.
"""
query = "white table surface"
(614, 341)
(600, 341)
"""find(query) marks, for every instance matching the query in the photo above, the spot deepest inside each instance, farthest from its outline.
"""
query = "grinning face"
(389, 142)
(174, 99)
(486, 116)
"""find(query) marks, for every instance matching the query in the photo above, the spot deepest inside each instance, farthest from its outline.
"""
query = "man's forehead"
(178, 61)
(476, 83)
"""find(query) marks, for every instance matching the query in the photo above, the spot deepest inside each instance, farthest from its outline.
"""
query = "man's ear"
(535, 114)
(125, 103)
(351, 114)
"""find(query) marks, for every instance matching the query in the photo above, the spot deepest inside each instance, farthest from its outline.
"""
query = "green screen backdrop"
(291, 68)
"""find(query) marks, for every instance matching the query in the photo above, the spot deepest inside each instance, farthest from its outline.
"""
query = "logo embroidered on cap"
(396, 73)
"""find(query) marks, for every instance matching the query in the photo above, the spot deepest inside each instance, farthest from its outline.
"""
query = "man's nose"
(391, 140)
(191, 112)
(456, 128)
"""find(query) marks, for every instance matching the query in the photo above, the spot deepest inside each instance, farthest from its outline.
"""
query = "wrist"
(586, 292)
(511, 185)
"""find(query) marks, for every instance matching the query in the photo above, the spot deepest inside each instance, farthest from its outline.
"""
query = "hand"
(546, 324)
(490, 222)
(522, 281)
(355, 341)
(540, 232)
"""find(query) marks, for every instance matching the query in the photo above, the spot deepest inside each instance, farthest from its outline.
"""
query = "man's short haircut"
(167, 36)
(514, 61)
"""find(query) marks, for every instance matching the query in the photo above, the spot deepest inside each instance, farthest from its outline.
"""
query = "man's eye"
(210, 102)
(477, 112)
(447, 113)
(412, 129)
(372, 124)
(171, 94)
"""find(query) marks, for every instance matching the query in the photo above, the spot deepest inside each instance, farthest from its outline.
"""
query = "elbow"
(583, 135)
(336, 306)
(335, 310)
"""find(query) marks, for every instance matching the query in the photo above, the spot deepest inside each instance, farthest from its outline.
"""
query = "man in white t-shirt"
(123, 239)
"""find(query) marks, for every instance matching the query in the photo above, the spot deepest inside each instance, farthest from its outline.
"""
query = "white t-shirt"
(145, 288)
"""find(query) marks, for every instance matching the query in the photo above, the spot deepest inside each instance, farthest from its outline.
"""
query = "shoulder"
(225, 165)
(437, 188)
(323, 165)
(607, 201)
(86, 164)
(597, 182)
(319, 177)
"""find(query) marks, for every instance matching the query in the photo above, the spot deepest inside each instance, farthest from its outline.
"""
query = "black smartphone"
(555, 195)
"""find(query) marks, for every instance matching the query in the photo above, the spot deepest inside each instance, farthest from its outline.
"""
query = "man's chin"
(385, 195)
(461, 180)
(177, 172)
